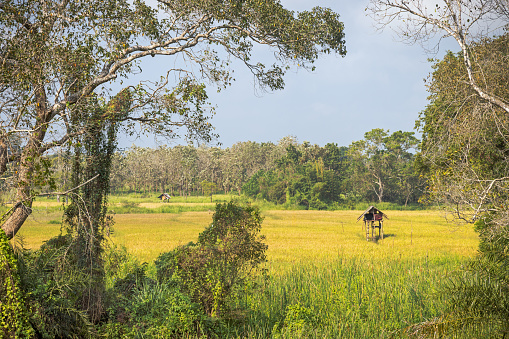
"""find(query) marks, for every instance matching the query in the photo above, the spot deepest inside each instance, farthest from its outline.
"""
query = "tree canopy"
(60, 59)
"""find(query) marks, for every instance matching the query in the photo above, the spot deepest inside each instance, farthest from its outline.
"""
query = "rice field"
(324, 279)
(294, 237)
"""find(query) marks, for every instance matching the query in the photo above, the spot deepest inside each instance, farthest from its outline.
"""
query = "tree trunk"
(23, 207)
(380, 193)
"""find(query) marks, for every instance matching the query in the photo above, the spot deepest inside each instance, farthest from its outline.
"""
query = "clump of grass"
(55, 222)
(128, 204)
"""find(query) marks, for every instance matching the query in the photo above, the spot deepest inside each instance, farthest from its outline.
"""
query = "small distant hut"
(164, 196)
(373, 218)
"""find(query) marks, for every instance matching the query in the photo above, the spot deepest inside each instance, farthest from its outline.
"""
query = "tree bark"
(23, 207)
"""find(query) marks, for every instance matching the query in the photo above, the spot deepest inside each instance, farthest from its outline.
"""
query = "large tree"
(60, 58)
(465, 156)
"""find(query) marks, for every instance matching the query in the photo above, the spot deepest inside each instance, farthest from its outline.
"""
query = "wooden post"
(366, 224)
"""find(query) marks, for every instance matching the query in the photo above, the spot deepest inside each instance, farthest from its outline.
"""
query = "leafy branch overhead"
(58, 58)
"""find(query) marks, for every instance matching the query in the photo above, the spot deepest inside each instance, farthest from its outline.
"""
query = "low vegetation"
(322, 278)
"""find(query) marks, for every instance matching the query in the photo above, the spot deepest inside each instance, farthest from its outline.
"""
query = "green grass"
(348, 298)
(141, 203)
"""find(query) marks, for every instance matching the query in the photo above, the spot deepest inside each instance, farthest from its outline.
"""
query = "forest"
(378, 168)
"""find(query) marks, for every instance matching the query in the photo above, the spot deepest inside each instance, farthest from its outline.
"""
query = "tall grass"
(347, 298)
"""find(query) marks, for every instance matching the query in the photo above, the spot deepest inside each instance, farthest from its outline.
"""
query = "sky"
(378, 84)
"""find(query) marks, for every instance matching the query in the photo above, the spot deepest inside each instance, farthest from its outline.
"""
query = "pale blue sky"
(379, 84)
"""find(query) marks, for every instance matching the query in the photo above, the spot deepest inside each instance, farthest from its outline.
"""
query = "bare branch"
(70, 190)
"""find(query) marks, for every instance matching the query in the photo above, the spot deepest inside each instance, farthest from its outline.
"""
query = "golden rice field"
(319, 263)
(292, 236)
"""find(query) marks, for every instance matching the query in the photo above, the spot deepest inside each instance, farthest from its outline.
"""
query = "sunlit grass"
(293, 236)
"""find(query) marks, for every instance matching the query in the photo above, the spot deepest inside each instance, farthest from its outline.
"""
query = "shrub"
(162, 311)
(13, 313)
(53, 286)
(139, 307)
(226, 255)
(299, 322)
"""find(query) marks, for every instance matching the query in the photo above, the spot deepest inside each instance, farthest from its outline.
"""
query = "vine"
(13, 312)
(86, 217)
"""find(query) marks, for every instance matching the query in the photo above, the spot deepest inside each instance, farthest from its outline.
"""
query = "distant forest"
(379, 168)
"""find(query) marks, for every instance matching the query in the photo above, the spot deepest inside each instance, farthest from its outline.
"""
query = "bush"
(13, 312)
(139, 307)
(299, 322)
(53, 286)
(163, 311)
(227, 253)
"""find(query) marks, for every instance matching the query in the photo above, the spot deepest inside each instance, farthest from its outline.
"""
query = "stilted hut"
(373, 218)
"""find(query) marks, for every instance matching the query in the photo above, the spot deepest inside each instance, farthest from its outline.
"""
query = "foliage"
(53, 285)
(289, 174)
(299, 322)
(382, 167)
(86, 217)
(208, 188)
(477, 296)
(306, 176)
(464, 150)
(227, 253)
(59, 59)
(14, 315)
(140, 307)
(465, 159)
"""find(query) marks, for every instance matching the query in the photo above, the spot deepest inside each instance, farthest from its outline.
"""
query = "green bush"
(163, 311)
(299, 322)
(13, 312)
(139, 307)
(54, 286)
(227, 253)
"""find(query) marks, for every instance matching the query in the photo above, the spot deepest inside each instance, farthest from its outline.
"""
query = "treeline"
(378, 168)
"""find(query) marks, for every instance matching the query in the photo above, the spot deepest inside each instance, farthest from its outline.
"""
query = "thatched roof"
(372, 210)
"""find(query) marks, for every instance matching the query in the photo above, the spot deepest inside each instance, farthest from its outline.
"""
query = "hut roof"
(373, 210)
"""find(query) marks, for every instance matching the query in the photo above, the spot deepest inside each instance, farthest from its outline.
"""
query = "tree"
(464, 150)
(466, 21)
(382, 165)
(223, 260)
(370, 165)
(468, 96)
(208, 188)
(59, 57)
(465, 153)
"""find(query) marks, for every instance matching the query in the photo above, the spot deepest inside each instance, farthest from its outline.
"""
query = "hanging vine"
(86, 217)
